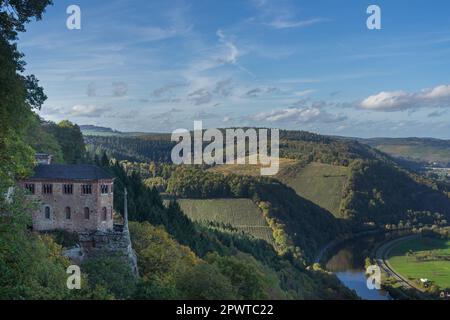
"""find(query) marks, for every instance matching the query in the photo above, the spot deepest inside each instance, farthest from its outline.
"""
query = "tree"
(244, 274)
(41, 140)
(205, 282)
(32, 265)
(15, 14)
(159, 254)
(70, 139)
(19, 94)
(111, 272)
(152, 169)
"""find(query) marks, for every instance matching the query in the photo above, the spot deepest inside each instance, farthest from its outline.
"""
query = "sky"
(157, 66)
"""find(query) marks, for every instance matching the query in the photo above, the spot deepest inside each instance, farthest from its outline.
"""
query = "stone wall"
(115, 241)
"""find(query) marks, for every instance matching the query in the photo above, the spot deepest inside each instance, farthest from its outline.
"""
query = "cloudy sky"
(313, 65)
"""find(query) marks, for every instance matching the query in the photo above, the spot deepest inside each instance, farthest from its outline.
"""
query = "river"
(347, 262)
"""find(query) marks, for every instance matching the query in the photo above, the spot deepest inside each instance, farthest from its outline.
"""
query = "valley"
(272, 193)
(323, 184)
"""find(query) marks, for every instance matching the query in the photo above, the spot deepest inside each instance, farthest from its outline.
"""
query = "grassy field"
(241, 214)
(320, 183)
(248, 169)
(418, 149)
(417, 152)
(423, 258)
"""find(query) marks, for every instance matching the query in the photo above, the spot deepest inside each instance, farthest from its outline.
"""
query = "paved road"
(381, 256)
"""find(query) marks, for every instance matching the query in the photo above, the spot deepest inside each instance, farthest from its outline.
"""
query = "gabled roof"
(69, 172)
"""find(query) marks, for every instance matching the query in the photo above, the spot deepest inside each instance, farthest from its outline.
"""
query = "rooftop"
(69, 172)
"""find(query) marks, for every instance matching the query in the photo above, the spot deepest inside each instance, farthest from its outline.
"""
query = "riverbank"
(324, 253)
(381, 256)
(401, 287)
(347, 262)
(349, 257)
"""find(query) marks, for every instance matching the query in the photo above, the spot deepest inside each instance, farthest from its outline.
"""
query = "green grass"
(320, 183)
(241, 214)
(405, 259)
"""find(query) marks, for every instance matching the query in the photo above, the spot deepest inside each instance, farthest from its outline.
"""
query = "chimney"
(43, 158)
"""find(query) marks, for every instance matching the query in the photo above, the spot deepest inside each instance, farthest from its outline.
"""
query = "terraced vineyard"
(241, 214)
(320, 183)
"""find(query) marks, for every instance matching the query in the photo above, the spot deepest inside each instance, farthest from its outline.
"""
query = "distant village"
(438, 171)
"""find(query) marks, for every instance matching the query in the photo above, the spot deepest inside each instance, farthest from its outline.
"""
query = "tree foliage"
(19, 94)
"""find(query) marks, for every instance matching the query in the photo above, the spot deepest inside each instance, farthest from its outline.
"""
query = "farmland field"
(423, 258)
(320, 183)
(241, 214)
(417, 152)
(417, 149)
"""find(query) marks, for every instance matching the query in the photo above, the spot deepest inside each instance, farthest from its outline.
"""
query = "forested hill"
(376, 190)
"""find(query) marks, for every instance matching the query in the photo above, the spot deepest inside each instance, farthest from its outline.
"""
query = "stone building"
(75, 198)
(79, 198)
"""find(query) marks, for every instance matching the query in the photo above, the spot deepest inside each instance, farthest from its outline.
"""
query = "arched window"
(86, 213)
(111, 213)
(47, 212)
(68, 213)
(104, 213)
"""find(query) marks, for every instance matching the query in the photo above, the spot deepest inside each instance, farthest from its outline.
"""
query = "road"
(381, 257)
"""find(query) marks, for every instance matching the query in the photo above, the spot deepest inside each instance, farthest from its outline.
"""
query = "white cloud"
(389, 101)
(233, 52)
(298, 115)
(303, 93)
(281, 23)
(402, 100)
(88, 111)
(154, 33)
(279, 16)
(438, 92)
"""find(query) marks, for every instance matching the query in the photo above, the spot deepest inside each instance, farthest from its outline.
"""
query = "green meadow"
(423, 258)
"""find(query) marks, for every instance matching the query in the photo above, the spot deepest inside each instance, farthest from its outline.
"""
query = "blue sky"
(310, 65)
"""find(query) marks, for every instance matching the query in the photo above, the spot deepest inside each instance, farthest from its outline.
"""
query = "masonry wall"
(58, 201)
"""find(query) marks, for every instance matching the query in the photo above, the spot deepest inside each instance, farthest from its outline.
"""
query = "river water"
(347, 262)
